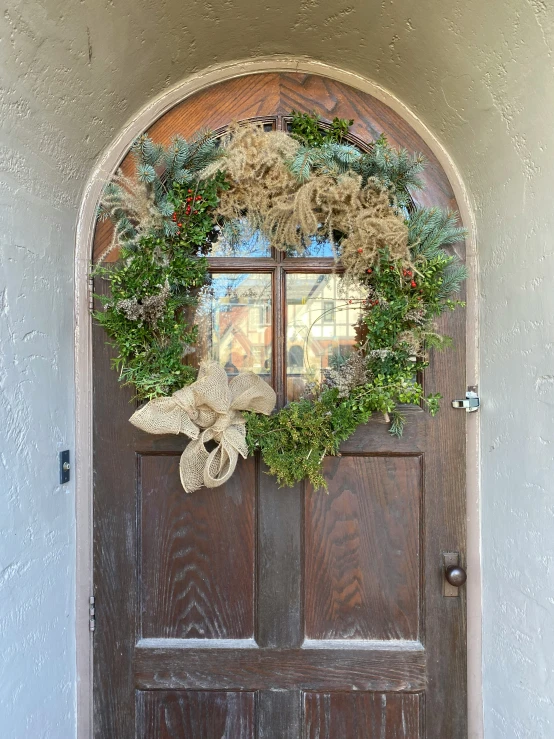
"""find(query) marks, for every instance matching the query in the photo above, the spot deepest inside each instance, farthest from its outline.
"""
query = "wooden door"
(249, 611)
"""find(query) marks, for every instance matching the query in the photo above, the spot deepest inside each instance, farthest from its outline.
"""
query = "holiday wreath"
(311, 184)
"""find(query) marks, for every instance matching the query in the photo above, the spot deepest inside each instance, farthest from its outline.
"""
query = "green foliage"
(160, 171)
(307, 128)
(294, 442)
(327, 152)
(165, 226)
(398, 327)
(396, 169)
(322, 150)
(152, 348)
(330, 158)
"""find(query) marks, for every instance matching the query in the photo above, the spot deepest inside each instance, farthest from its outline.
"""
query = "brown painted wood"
(279, 714)
(327, 667)
(249, 611)
(114, 542)
(279, 600)
(192, 584)
(195, 715)
(362, 560)
(362, 715)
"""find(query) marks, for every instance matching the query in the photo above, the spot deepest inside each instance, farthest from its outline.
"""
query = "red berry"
(189, 191)
(369, 271)
(414, 284)
(195, 212)
(180, 225)
(198, 197)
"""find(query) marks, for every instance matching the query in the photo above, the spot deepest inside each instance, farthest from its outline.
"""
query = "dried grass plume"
(290, 212)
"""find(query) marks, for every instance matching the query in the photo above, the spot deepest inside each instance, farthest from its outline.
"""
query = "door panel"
(251, 611)
(362, 572)
(362, 715)
(195, 582)
(211, 715)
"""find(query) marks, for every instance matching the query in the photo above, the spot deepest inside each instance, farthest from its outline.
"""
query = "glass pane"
(234, 317)
(238, 240)
(320, 328)
(315, 248)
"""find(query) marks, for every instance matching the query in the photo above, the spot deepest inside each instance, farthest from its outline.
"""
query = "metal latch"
(471, 403)
(65, 467)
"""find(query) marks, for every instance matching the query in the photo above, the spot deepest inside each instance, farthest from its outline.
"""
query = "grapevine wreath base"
(291, 189)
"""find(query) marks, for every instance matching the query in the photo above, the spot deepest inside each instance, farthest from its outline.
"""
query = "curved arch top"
(277, 93)
(285, 73)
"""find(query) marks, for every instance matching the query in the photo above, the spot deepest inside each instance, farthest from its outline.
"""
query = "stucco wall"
(479, 74)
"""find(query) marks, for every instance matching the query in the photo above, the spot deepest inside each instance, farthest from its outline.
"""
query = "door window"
(283, 315)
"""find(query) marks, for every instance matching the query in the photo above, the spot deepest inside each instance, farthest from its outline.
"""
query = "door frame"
(102, 172)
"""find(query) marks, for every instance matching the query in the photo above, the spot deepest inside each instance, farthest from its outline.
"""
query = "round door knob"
(456, 575)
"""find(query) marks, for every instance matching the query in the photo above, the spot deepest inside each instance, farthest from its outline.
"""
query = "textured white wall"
(480, 76)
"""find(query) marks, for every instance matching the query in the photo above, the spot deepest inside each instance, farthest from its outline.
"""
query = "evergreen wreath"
(291, 188)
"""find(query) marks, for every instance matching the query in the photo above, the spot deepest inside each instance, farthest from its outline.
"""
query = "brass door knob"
(456, 575)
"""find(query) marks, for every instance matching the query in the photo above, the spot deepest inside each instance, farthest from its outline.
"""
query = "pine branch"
(431, 228)
(397, 423)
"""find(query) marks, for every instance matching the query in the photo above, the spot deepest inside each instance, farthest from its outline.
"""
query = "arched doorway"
(285, 613)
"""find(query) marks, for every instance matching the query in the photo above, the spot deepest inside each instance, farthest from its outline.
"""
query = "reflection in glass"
(237, 239)
(234, 317)
(315, 248)
(320, 327)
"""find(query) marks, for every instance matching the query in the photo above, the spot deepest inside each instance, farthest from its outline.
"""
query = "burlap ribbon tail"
(208, 410)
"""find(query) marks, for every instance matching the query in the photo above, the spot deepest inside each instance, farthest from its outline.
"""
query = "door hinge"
(90, 290)
(91, 613)
(470, 403)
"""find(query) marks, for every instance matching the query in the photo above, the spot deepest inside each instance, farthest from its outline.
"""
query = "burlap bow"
(214, 404)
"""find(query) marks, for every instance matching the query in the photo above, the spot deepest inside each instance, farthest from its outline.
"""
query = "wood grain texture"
(197, 553)
(362, 716)
(384, 669)
(114, 542)
(279, 598)
(195, 715)
(341, 565)
(445, 526)
(362, 561)
(279, 714)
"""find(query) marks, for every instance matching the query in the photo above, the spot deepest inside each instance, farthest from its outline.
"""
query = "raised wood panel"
(197, 553)
(362, 716)
(195, 715)
(362, 557)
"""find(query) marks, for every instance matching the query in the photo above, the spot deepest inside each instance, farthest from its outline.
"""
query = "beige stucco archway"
(105, 166)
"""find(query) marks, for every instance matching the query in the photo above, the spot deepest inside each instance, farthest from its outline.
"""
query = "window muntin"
(245, 317)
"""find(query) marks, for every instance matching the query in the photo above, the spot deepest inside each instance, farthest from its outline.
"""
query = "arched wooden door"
(249, 611)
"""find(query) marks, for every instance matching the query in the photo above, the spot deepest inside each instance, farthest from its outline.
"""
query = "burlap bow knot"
(209, 409)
